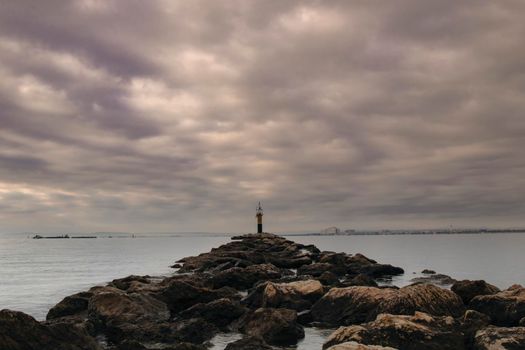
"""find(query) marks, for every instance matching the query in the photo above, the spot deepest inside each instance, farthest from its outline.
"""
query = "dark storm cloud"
(179, 115)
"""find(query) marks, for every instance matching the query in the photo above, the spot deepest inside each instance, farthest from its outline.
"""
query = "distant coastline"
(407, 232)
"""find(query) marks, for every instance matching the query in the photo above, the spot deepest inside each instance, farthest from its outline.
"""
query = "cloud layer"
(181, 115)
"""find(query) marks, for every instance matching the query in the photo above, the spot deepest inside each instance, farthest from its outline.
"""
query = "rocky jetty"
(268, 289)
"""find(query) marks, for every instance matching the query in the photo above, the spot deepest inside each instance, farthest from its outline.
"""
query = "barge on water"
(62, 237)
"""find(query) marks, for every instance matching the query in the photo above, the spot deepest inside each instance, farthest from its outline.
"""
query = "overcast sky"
(181, 115)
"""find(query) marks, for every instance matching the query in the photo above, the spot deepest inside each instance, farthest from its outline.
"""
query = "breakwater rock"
(268, 289)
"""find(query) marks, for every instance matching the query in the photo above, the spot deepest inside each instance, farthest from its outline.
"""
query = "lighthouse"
(259, 215)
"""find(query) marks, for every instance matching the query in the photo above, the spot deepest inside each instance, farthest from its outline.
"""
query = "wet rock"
(505, 308)
(428, 272)
(126, 282)
(499, 338)
(112, 306)
(289, 263)
(354, 305)
(419, 331)
(328, 279)
(317, 269)
(248, 343)
(305, 318)
(360, 280)
(298, 295)
(244, 278)
(337, 259)
(381, 270)
(220, 312)
(467, 290)
(437, 279)
(471, 322)
(275, 326)
(195, 330)
(248, 250)
(70, 305)
(182, 294)
(352, 345)
(19, 331)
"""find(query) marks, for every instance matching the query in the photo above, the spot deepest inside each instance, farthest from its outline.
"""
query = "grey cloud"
(176, 115)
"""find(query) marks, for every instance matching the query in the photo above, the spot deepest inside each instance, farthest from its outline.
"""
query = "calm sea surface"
(36, 274)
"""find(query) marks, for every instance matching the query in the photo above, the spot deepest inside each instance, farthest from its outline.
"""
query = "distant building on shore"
(331, 231)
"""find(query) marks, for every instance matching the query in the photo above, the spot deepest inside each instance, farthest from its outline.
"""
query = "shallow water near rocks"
(37, 274)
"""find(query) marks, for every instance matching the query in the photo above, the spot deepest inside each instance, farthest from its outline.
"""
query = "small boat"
(51, 237)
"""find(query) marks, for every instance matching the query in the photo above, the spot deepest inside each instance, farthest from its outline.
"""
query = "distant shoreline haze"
(331, 231)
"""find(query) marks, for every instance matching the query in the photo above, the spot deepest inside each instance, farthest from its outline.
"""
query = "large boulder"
(244, 278)
(248, 343)
(129, 281)
(19, 331)
(317, 269)
(181, 294)
(195, 330)
(380, 270)
(467, 289)
(416, 332)
(112, 306)
(354, 305)
(275, 326)
(352, 345)
(438, 279)
(220, 312)
(297, 295)
(70, 305)
(360, 280)
(505, 308)
(499, 338)
(471, 322)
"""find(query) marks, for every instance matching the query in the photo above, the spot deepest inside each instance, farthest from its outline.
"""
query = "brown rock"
(505, 308)
(19, 331)
(436, 278)
(361, 280)
(499, 338)
(275, 326)
(328, 278)
(248, 343)
(181, 294)
(113, 306)
(467, 290)
(244, 278)
(220, 312)
(317, 269)
(126, 282)
(354, 305)
(297, 295)
(420, 331)
(70, 305)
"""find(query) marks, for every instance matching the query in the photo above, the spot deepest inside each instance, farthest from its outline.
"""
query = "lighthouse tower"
(259, 215)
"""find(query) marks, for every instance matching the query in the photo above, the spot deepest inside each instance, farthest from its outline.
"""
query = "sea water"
(37, 274)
